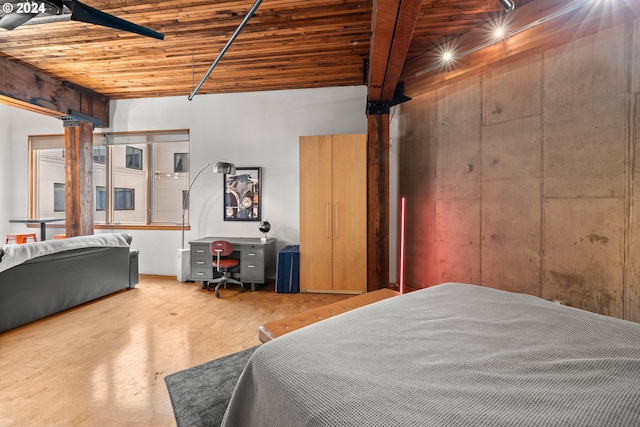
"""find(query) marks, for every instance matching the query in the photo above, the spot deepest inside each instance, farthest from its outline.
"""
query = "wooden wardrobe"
(333, 213)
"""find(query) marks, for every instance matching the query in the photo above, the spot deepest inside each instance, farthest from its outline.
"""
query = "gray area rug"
(200, 395)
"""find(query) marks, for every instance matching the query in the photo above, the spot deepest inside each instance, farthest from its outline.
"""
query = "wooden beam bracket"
(378, 107)
(77, 115)
(384, 107)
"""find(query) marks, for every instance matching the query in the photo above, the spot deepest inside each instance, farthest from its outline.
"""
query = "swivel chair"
(220, 249)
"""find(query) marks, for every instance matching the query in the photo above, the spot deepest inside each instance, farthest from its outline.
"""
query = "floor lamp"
(184, 258)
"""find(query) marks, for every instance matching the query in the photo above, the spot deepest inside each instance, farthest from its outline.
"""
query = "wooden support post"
(377, 202)
(78, 146)
(393, 22)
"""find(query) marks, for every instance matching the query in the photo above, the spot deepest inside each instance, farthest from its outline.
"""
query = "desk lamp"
(183, 258)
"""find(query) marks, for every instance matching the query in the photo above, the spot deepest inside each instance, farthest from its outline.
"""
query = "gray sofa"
(42, 278)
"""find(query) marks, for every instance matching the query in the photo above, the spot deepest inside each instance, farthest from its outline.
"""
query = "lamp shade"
(224, 167)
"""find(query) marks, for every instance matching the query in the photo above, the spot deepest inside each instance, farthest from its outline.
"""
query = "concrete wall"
(523, 178)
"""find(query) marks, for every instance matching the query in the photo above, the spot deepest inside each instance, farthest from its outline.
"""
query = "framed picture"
(242, 195)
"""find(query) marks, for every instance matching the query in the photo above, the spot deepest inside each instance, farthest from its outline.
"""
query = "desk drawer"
(252, 271)
(253, 254)
(200, 250)
(202, 273)
(201, 262)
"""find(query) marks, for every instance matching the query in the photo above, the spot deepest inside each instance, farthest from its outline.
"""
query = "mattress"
(450, 355)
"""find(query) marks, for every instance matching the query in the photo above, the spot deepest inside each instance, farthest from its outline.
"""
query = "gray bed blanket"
(450, 355)
(16, 254)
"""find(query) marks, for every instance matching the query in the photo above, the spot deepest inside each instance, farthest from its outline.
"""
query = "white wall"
(6, 170)
(249, 129)
(15, 127)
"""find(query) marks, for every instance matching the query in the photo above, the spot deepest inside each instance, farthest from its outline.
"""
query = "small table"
(42, 221)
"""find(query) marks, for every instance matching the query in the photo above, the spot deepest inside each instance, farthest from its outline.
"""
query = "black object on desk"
(257, 259)
(42, 221)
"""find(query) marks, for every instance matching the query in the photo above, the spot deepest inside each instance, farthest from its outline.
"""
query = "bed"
(450, 355)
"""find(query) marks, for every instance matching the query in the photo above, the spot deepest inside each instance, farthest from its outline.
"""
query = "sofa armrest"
(133, 268)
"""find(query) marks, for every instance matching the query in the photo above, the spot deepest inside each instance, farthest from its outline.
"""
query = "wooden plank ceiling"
(286, 44)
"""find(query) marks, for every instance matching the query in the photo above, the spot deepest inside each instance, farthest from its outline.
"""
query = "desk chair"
(220, 249)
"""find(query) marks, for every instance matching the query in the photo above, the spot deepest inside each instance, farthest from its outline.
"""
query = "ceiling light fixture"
(508, 5)
(526, 27)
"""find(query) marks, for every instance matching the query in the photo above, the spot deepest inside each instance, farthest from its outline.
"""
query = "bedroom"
(557, 275)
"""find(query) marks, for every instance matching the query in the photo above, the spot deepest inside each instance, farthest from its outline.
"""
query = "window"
(135, 177)
(100, 198)
(100, 154)
(180, 162)
(134, 158)
(124, 199)
(58, 197)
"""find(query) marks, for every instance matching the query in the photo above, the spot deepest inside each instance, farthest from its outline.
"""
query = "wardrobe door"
(316, 213)
(349, 213)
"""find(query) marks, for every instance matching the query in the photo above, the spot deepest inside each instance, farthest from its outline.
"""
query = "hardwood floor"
(104, 363)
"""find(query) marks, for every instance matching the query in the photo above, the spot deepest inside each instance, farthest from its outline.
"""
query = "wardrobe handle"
(336, 228)
(327, 218)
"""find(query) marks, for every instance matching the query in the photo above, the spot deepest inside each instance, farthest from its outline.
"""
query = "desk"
(257, 259)
(42, 221)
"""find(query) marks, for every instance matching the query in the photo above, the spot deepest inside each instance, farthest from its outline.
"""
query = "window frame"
(101, 156)
(56, 193)
(101, 190)
(133, 159)
(181, 159)
(150, 203)
(131, 205)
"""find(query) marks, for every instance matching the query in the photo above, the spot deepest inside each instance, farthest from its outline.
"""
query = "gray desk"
(257, 259)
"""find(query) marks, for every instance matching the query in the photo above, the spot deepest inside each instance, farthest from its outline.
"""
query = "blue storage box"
(288, 270)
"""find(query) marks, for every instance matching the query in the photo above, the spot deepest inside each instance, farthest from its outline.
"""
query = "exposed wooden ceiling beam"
(393, 22)
(534, 27)
(29, 89)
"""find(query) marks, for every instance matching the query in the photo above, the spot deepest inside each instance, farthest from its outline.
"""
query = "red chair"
(221, 249)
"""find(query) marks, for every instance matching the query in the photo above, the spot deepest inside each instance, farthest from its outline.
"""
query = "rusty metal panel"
(584, 112)
(584, 253)
(458, 164)
(513, 92)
